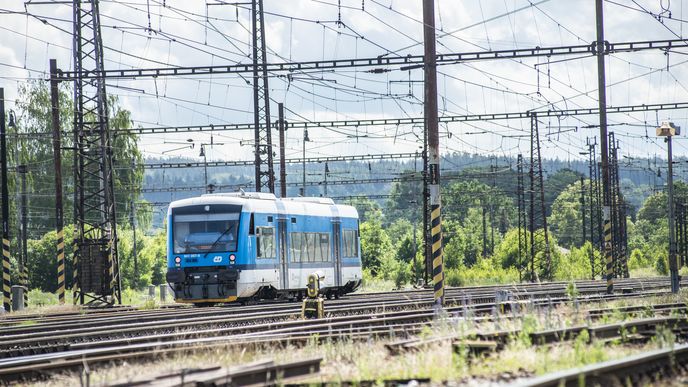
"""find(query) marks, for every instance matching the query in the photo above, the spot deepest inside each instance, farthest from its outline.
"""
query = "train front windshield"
(205, 233)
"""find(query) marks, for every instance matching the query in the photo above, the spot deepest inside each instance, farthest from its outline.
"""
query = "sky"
(171, 33)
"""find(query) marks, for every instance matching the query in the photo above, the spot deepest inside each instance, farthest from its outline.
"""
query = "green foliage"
(462, 247)
(392, 270)
(506, 253)
(376, 246)
(639, 260)
(42, 261)
(662, 264)
(566, 220)
(557, 183)
(30, 146)
(405, 201)
(575, 264)
(654, 209)
(461, 197)
(485, 271)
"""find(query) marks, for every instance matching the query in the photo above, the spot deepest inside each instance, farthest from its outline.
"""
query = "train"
(243, 246)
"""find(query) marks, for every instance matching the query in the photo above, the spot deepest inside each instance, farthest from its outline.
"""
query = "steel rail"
(633, 370)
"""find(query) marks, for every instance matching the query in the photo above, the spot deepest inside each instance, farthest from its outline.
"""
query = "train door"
(283, 256)
(336, 236)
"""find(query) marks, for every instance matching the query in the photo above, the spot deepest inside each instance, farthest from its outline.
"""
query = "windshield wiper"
(218, 240)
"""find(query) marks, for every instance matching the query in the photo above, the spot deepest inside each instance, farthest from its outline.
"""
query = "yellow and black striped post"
(111, 268)
(432, 131)
(6, 284)
(608, 254)
(437, 258)
(26, 284)
(75, 272)
(60, 266)
(57, 160)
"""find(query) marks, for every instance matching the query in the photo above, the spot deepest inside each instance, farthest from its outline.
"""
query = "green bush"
(662, 264)
(639, 260)
(575, 264)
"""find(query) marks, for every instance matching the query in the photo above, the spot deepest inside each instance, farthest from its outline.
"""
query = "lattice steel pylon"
(618, 213)
(265, 172)
(540, 257)
(595, 210)
(95, 253)
(522, 218)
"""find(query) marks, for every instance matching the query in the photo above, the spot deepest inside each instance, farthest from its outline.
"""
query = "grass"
(369, 360)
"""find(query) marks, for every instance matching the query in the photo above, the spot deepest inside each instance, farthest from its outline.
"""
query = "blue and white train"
(239, 246)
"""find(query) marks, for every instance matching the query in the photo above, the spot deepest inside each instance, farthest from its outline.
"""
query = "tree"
(375, 243)
(405, 201)
(31, 143)
(566, 219)
(365, 207)
(460, 196)
(654, 208)
(558, 182)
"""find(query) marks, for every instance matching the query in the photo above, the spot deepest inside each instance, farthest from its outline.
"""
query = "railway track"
(634, 370)
(55, 343)
(52, 337)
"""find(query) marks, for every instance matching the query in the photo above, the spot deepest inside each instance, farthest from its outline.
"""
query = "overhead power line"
(238, 163)
(410, 120)
(406, 62)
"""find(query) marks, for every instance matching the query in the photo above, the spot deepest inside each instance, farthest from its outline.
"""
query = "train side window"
(251, 226)
(350, 241)
(266, 242)
(296, 246)
(324, 247)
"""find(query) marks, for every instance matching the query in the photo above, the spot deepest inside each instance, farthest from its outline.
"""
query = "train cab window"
(251, 226)
(266, 242)
(350, 240)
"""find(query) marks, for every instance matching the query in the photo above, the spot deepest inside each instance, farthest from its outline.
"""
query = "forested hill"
(639, 176)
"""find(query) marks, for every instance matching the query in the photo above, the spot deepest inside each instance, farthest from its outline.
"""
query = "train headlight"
(177, 261)
(232, 258)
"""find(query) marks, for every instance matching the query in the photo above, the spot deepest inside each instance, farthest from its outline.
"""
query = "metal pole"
(282, 148)
(582, 202)
(673, 266)
(303, 185)
(427, 254)
(134, 246)
(482, 205)
(205, 168)
(327, 170)
(57, 160)
(431, 127)
(604, 149)
(6, 284)
(23, 259)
